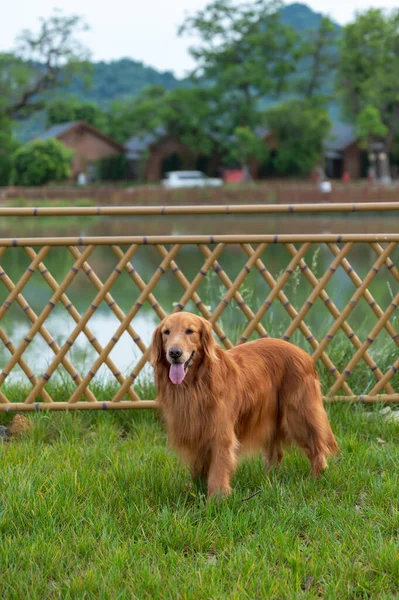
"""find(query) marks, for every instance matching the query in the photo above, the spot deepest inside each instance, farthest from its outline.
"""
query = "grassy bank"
(95, 506)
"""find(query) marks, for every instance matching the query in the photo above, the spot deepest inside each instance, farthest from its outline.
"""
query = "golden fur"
(260, 395)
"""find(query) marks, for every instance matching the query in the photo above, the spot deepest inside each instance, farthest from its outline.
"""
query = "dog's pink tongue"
(177, 373)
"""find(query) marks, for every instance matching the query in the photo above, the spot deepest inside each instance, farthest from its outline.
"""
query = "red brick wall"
(88, 148)
(162, 150)
(352, 161)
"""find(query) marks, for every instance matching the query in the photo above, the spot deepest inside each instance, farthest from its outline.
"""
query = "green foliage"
(300, 128)
(186, 113)
(7, 146)
(60, 111)
(64, 111)
(246, 52)
(41, 161)
(120, 80)
(246, 145)
(112, 168)
(319, 59)
(368, 71)
(41, 62)
(369, 125)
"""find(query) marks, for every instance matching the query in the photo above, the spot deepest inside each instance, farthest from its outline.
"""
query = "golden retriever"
(261, 395)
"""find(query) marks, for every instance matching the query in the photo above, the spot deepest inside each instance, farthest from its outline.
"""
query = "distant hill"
(120, 79)
(110, 81)
(301, 17)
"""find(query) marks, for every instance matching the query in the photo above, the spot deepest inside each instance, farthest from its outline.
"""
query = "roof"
(262, 132)
(57, 131)
(340, 137)
(137, 144)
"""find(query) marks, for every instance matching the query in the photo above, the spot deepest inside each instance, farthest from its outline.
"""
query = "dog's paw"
(219, 493)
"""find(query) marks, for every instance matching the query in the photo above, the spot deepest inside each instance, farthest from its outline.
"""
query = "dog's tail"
(307, 422)
(318, 419)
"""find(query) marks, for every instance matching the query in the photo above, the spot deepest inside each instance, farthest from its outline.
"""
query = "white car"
(182, 179)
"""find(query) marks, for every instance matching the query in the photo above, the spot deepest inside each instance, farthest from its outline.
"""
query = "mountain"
(120, 79)
(301, 17)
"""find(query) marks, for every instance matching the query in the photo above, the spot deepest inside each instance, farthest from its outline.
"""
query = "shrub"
(112, 168)
(41, 161)
(8, 144)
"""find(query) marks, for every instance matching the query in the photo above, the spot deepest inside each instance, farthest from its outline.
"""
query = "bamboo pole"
(225, 279)
(44, 314)
(153, 405)
(354, 300)
(292, 312)
(81, 324)
(182, 279)
(219, 209)
(331, 307)
(301, 238)
(274, 293)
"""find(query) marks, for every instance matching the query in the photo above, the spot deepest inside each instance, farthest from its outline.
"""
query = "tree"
(188, 114)
(7, 146)
(370, 125)
(41, 161)
(246, 145)
(245, 57)
(41, 62)
(300, 128)
(64, 111)
(245, 53)
(319, 59)
(368, 75)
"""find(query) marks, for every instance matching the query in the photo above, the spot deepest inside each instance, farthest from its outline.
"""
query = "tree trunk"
(380, 161)
(246, 173)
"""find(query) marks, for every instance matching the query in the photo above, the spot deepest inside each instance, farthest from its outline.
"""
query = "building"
(88, 143)
(343, 154)
(150, 156)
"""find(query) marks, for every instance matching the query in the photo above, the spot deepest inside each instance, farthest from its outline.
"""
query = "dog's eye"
(166, 332)
(189, 331)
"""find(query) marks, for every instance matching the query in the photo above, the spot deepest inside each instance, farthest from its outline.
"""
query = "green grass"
(93, 505)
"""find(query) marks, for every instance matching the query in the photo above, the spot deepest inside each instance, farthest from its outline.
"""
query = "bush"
(300, 129)
(41, 161)
(8, 144)
(112, 168)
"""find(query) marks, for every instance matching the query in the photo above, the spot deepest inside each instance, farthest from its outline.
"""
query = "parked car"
(182, 179)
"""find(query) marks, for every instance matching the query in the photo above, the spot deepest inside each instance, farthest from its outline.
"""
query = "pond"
(190, 259)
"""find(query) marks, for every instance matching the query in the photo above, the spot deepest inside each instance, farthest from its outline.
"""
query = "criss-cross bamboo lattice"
(253, 247)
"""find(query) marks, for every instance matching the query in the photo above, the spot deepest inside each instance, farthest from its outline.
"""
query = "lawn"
(95, 506)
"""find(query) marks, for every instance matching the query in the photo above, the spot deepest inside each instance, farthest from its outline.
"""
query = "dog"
(261, 395)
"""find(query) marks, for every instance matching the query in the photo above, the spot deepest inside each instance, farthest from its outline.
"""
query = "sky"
(143, 30)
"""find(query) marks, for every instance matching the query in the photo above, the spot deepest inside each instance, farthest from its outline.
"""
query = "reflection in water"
(168, 291)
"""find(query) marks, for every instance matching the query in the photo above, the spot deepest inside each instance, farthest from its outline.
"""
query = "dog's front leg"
(222, 467)
(199, 468)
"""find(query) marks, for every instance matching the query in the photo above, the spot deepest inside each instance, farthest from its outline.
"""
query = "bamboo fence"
(211, 247)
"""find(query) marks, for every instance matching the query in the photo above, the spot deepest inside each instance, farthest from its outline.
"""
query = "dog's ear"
(156, 346)
(208, 341)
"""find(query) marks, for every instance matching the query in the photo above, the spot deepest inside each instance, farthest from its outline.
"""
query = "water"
(103, 324)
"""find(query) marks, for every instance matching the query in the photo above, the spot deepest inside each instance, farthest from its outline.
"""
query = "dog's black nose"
(175, 353)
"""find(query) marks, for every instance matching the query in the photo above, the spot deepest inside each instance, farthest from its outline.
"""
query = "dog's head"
(181, 342)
